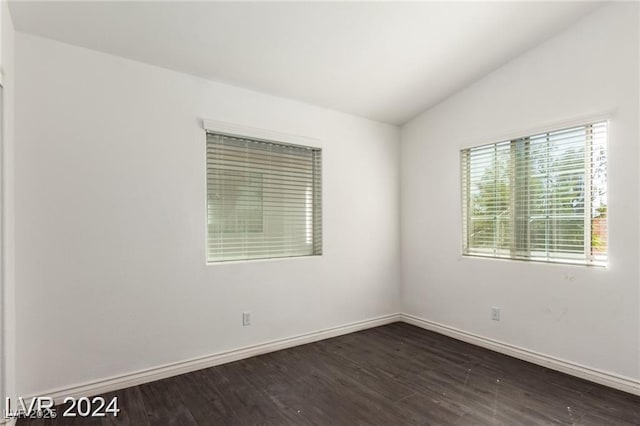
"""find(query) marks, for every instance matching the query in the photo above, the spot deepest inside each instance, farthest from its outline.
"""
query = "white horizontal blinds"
(597, 207)
(541, 197)
(487, 190)
(314, 232)
(263, 199)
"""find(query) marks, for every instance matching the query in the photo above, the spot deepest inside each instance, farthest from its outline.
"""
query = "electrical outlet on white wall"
(495, 313)
(246, 319)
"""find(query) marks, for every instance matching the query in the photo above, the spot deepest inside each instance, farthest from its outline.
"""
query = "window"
(541, 197)
(264, 199)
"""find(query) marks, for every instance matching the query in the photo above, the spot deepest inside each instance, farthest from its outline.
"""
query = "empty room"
(319, 213)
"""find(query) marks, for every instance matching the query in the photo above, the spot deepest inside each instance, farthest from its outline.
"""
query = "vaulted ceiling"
(384, 61)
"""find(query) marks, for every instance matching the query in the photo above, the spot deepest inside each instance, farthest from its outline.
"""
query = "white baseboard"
(594, 375)
(173, 369)
(168, 370)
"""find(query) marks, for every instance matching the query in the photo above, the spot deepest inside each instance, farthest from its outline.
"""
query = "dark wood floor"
(392, 375)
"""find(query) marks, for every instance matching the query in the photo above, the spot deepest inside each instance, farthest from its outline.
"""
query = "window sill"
(268, 259)
(594, 265)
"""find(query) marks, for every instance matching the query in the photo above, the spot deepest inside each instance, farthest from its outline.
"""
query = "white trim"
(113, 383)
(7, 422)
(625, 384)
(266, 259)
(543, 127)
(233, 129)
(173, 369)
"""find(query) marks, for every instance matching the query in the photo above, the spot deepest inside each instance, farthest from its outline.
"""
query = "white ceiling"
(384, 61)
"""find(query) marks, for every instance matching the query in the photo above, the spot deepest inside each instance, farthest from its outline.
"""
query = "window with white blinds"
(264, 199)
(541, 197)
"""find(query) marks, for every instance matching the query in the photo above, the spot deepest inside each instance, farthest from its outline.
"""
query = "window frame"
(265, 135)
(536, 256)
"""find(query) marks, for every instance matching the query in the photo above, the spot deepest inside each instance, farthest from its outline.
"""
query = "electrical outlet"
(246, 319)
(495, 313)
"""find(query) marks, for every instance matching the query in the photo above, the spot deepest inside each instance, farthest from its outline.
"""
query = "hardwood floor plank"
(242, 399)
(164, 404)
(132, 408)
(358, 374)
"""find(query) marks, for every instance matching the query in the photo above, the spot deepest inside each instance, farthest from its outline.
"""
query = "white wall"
(7, 282)
(110, 220)
(586, 315)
